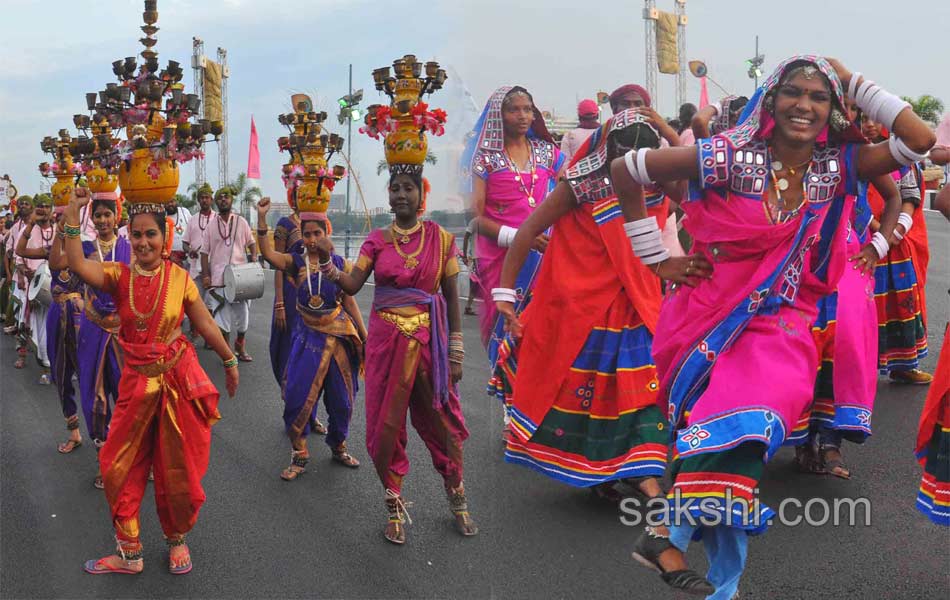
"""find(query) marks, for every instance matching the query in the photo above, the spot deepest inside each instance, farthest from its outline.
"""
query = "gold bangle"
(231, 362)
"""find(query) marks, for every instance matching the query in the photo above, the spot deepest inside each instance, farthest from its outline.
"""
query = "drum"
(40, 286)
(243, 282)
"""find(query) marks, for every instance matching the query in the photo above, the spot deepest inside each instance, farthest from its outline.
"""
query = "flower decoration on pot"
(407, 119)
(307, 175)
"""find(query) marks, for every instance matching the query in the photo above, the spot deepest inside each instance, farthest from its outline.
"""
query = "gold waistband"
(317, 321)
(108, 322)
(66, 297)
(407, 325)
(161, 365)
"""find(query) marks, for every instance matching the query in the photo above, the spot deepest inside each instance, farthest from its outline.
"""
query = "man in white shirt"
(224, 242)
(20, 283)
(191, 240)
(179, 217)
(588, 116)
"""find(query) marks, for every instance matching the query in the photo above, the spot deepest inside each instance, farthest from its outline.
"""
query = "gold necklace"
(104, 248)
(141, 320)
(411, 261)
(405, 233)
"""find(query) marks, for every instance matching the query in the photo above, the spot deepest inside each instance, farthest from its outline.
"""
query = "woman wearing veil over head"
(769, 207)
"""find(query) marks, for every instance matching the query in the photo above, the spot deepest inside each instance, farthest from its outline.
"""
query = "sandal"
(298, 465)
(459, 507)
(807, 459)
(631, 488)
(395, 531)
(647, 552)
(834, 466)
(174, 567)
(341, 456)
(68, 446)
(470, 311)
(129, 562)
(317, 427)
(98, 483)
(241, 352)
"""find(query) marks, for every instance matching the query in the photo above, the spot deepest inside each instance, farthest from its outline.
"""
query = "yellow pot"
(406, 146)
(308, 200)
(145, 179)
(62, 190)
(101, 181)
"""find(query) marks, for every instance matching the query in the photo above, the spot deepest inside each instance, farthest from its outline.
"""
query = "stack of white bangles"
(506, 235)
(907, 221)
(880, 244)
(644, 237)
(883, 107)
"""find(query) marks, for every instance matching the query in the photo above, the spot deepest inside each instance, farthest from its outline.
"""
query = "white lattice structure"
(197, 67)
(650, 15)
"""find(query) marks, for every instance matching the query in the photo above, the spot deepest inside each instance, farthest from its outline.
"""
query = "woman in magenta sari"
(513, 164)
(769, 208)
(414, 348)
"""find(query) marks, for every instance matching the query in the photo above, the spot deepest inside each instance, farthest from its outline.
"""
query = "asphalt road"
(261, 537)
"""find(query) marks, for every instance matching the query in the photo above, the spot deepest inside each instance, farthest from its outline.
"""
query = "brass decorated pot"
(308, 200)
(62, 190)
(406, 146)
(145, 179)
(101, 181)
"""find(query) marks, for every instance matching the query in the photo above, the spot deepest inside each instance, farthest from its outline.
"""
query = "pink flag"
(703, 93)
(253, 155)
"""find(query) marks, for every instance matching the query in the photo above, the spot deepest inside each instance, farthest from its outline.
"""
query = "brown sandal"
(395, 531)
(317, 427)
(835, 466)
(298, 465)
(68, 446)
(807, 459)
(341, 456)
(459, 507)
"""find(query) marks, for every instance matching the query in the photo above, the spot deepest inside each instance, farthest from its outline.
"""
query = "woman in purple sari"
(414, 348)
(769, 208)
(513, 164)
(325, 355)
(100, 362)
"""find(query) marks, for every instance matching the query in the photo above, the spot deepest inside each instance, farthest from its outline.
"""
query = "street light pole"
(349, 136)
(756, 55)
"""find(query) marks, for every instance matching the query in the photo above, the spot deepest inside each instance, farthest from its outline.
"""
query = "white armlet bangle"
(901, 153)
(506, 235)
(853, 85)
(630, 160)
(898, 235)
(880, 244)
(655, 258)
(906, 220)
(642, 166)
(504, 295)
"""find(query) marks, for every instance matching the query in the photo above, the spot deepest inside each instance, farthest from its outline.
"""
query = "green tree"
(185, 202)
(382, 165)
(927, 108)
(245, 196)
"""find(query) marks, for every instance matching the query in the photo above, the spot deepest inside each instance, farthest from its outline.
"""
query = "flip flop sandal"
(180, 569)
(245, 357)
(317, 427)
(835, 467)
(97, 483)
(647, 552)
(101, 567)
(68, 446)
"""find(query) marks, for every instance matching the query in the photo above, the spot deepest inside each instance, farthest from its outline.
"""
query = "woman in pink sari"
(769, 208)
(409, 368)
(514, 164)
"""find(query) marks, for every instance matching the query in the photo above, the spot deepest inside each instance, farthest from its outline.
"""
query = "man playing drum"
(191, 240)
(224, 242)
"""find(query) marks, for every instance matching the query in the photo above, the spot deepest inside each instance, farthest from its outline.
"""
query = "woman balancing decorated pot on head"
(777, 243)
(326, 350)
(99, 361)
(288, 239)
(166, 405)
(414, 350)
(509, 165)
(584, 403)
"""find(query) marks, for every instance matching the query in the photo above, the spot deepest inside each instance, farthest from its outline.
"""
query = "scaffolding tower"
(197, 67)
(223, 143)
(650, 16)
(681, 21)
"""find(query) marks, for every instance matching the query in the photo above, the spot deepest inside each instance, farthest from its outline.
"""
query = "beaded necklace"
(226, 235)
(528, 192)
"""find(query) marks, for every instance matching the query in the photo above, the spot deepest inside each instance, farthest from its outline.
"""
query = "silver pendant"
(531, 202)
(777, 165)
(783, 184)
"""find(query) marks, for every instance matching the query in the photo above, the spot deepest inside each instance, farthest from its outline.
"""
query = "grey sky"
(55, 50)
